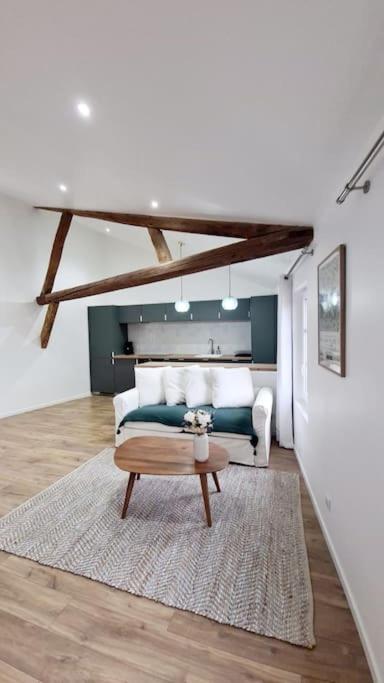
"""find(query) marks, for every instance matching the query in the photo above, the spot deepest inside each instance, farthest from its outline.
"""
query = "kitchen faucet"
(210, 341)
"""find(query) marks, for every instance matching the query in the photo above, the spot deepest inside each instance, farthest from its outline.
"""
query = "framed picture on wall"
(331, 311)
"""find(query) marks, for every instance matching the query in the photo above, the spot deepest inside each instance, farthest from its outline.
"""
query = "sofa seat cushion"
(227, 420)
(152, 427)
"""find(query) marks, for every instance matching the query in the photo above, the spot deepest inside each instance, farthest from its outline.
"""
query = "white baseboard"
(371, 659)
(29, 409)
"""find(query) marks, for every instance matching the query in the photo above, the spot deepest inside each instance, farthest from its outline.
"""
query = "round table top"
(164, 455)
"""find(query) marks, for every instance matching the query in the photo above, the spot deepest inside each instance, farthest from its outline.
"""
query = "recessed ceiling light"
(107, 229)
(154, 204)
(84, 109)
(63, 188)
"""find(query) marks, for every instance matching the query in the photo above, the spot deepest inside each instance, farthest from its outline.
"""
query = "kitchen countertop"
(182, 356)
(266, 367)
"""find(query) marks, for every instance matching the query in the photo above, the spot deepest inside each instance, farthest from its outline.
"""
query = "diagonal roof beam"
(161, 247)
(198, 226)
(246, 250)
(56, 252)
(54, 262)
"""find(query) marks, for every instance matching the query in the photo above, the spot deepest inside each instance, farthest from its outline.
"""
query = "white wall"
(30, 376)
(340, 447)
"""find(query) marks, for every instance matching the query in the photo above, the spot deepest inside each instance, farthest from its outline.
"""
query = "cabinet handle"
(219, 314)
(141, 318)
(249, 313)
(191, 316)
(113, 358)
(165, 316)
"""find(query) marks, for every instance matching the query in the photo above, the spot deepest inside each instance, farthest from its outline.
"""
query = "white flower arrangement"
(198, 421)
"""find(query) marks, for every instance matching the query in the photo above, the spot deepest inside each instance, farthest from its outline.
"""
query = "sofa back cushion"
(174, 386)
(197, 386)
(232, 388)
(150, 385)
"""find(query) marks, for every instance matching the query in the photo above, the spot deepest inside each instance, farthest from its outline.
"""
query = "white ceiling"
(228, 108)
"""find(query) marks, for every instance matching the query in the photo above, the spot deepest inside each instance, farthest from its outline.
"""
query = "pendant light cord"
(181, 277)
(229, 280)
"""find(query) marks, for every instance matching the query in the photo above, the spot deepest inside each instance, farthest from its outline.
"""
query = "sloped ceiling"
(245, 109)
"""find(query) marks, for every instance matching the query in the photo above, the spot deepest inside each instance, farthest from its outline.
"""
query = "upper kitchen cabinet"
(106, 335)
(130, 314)
(242, 312)
(173, 316)
(264, 329)
(154, 313)
(205, 311)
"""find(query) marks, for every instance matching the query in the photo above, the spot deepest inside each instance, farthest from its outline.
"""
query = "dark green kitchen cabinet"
(264, 328)
(242, 312)
(130, 314)
(173, 316)
(106, 338)
(105, 332)
(124, 375)
(102, 375)
(205, 311)
(153, 313)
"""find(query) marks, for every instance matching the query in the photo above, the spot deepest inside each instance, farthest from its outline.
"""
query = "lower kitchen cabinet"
(102, 375)
(111, 378)
(124, 375)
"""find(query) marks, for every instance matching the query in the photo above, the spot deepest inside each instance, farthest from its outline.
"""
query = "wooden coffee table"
(164, 456)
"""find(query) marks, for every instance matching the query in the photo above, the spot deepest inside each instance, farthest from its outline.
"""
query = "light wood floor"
(62, 628)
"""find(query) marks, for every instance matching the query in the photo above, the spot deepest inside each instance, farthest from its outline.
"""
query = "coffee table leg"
(204, 489)
(137, 476)
(131, 481)
(216, 480)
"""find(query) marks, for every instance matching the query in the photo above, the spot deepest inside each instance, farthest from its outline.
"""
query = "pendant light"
(229, 303)
(181, 306)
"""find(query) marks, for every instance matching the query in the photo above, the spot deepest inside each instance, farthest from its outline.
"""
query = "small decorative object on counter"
(199, 422)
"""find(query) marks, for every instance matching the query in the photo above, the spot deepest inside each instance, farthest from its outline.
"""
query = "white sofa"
(238, 446)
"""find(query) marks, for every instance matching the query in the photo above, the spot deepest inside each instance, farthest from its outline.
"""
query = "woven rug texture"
(249, 570)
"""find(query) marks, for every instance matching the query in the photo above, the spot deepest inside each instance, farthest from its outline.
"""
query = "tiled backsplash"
(190, 337)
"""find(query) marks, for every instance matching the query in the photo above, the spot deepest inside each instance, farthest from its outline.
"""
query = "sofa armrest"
(261, 419)
(124, 403)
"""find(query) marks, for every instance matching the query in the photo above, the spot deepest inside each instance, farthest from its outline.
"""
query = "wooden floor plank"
(329, 658)
(51, 658)
(8, 674)
(61, 627)
(20, 597)
(172, 657)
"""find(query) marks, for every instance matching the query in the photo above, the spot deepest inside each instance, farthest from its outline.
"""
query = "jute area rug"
(249, 570)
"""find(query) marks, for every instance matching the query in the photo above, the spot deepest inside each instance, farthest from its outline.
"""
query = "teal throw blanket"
(232, 420)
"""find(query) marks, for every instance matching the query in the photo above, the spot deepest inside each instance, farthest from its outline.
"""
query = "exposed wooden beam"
(160, 244)
(48, 324)
(203, 226)
(56, 252)
(237, 252)
(53, 265)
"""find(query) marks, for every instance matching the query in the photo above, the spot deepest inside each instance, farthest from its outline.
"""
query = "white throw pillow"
(232, 388)
(174, 385)
(150, 385)
(197, 386)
